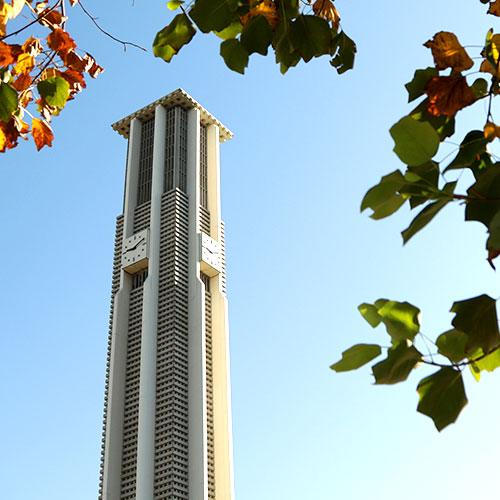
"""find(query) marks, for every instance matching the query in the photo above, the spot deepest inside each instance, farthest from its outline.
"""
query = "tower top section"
(178, 97)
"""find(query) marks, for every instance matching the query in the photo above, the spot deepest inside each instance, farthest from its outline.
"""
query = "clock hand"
(134, 247)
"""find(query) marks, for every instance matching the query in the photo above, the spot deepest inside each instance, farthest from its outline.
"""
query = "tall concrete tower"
(167, 416)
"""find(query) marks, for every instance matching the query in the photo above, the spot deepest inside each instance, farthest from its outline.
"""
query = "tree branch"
(94, 20)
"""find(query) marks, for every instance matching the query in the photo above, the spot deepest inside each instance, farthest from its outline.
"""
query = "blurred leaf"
(480, 88)
(401, 319)
(233, 30)
(370, 313)
(174, 4)
(235, 55)
(442, 124)
(490, 362)
(448, 53)
(423, 218)
(448, 95)
(54, 90)
(477, 317)
(416, 142)
(400, 361)
(484, 195)
(170, 39)
(213, 15)
(442, 396)
(8, 101)
(310, 36)
(416, 87)
(472, 146)
(356, 357)
(256, 35)
(384, 198)
(343, 50)
(42, 133)
(452, 345)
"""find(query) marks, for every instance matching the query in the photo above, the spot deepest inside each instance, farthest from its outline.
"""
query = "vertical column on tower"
(147, 391)
(221, 397)
(115, 377)
(197, 352)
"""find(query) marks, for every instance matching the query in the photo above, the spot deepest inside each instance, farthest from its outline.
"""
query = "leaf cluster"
(247, 27)
(39, 76)
(473, 341)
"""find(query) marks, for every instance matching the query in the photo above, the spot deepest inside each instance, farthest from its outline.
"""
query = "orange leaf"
(75, 62)
(494, 8)
(44, 109)
(51, 18)
(266, 8)
(491, 131)
(448, 53)
(42, 133)
(25, 64)
(73, 2)
(60, 41)
(32, 46)
(22, 82)
(8, 135)
(448, 94)
(326, 10)
(75, 80)
(6, 56)
(25, 97)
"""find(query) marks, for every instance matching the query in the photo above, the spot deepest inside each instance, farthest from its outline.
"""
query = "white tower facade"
(167, 416)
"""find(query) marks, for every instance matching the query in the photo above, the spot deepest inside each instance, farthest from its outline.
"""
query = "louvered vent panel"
(115, 286)
(204, 220)
(171, 426)
(131, 407)
(223, 255)
(141, 217)
(210, 392)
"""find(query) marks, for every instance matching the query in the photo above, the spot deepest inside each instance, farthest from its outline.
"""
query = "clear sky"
(300, 257)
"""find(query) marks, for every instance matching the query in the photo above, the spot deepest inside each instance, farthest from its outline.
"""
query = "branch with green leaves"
(474, 341)
(295, 31)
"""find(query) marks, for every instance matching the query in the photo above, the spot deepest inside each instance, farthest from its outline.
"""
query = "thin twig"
(32, 22)
(93, 19)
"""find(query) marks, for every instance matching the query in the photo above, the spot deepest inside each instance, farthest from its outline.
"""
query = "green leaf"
(256, 35)
(170, 39)
(401, 319)
(442, 124)
(416, 142)
(235, 55)
(370, 313)
(452, 345)
(473, 145)
(477, 317)
(485, 196)
(442, 396)
(423, 218)
(356, 356)
(288, 9)
(310, 36)
(421, 77)
(54, 90)
(493, 241)
(213, 15)
(476, 372)
(384, 198)
(174, 4)
(490, 362)
(343, 50)
(423, 183)
(286, 55)
(400, 361)
(232, 31)
(8, 101)
(480, 88)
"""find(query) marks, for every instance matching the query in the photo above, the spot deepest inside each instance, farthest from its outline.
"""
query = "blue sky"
(300, 259)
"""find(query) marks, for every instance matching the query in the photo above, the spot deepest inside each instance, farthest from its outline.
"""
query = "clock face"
(211, 256)
(135, 252)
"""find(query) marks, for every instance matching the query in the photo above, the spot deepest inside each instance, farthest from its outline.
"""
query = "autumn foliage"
(39, 76)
